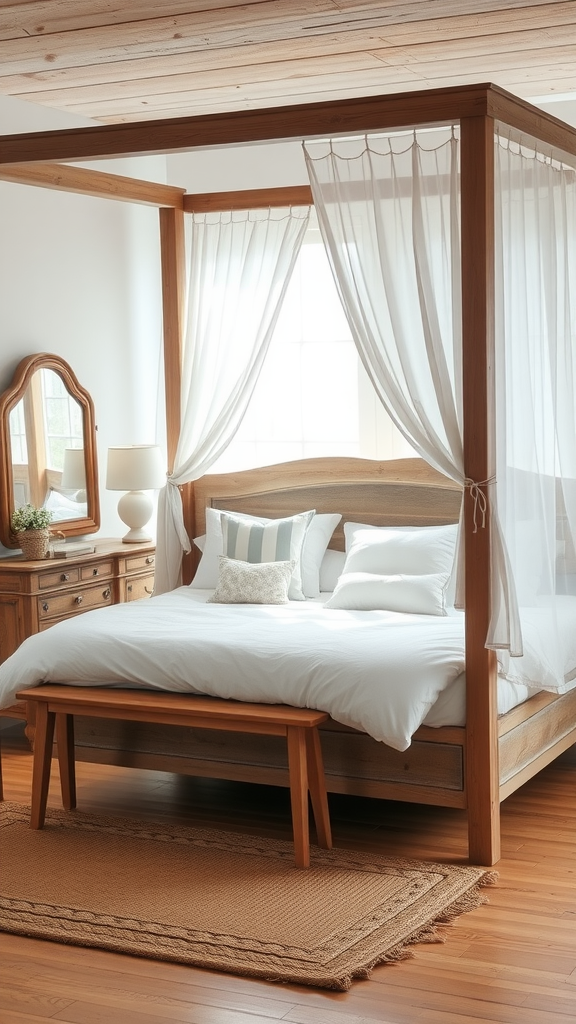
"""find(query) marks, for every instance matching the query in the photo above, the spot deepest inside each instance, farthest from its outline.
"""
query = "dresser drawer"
(92, 572)
(137, 587)
(137, 562)
(74, 602)
(60, 578)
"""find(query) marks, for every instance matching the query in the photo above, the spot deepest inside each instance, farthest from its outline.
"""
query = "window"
(62, 419)
(313, 397)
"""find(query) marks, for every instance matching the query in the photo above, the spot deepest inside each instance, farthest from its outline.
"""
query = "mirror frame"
(9, 398)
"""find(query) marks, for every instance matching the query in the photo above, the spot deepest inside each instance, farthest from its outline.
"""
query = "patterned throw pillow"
(275, 541)
(316, 540)
(252, 582)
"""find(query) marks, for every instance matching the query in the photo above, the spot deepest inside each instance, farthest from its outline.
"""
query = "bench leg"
(317, 783)
(42, 763)
(296, 738)
(65, 745)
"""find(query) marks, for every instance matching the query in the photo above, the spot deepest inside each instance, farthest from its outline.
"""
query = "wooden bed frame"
(405, 492)
(494, 756)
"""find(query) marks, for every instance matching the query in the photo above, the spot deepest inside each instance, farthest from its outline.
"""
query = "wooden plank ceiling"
(133, 60)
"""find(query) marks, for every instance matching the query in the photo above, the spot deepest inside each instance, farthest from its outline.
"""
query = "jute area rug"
(217, 900)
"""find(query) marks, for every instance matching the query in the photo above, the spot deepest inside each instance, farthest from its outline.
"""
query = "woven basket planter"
(34, 543)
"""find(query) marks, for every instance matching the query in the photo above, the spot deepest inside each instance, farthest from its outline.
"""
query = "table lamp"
(135, 468)
(74, 473)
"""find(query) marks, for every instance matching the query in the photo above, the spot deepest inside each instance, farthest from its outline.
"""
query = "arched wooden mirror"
(48, 447)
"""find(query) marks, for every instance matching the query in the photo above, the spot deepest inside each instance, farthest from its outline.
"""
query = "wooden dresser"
(36, 594)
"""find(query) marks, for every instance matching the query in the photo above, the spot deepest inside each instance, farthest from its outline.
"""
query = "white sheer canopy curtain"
(240, 266)
(535, 491)
(389, 212)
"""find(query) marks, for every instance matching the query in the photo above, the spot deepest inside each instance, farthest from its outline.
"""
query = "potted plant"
(30, 525)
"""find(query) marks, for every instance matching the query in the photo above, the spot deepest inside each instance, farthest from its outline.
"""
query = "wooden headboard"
(400, 492)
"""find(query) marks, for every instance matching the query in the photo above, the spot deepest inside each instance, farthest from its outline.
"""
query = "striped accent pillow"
(279, 540)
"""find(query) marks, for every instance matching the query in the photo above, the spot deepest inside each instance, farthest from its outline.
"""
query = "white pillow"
(316, 540)
(331, 569)
(270, 547)
(408, 551)
(366, 591)
(63, 506)
(527, 551)
(252, 582)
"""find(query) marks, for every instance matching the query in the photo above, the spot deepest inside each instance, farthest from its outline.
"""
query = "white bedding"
(378, 671)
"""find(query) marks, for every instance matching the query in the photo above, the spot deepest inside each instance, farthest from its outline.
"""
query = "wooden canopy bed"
(404, 492)
(473, 767)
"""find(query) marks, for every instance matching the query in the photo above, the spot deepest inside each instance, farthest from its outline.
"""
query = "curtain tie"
(479, 498)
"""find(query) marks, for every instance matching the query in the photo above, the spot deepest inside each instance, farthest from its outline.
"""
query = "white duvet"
(381, 672)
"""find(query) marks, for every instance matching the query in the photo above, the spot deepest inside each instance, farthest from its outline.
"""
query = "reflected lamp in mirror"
(74, 473)
(135, 468)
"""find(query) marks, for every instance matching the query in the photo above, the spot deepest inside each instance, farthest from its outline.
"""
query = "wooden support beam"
(84, 181)
(309, 120)
(247, 199)
(482, 777)
(173, 263)
(510, 110)
(302, 120)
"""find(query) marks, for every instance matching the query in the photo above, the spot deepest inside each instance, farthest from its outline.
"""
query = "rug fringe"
(470, 900)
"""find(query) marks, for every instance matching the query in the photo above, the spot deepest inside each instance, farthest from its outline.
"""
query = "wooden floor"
(513, 960)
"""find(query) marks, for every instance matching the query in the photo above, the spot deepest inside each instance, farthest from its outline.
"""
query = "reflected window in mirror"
(62, 419)
(19, 451)
(44, 425)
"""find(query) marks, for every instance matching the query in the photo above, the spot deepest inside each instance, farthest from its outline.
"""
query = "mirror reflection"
(48, 452)
(47, 448)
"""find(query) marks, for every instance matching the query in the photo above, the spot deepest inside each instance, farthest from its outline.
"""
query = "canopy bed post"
(482, 774)
(173, 262)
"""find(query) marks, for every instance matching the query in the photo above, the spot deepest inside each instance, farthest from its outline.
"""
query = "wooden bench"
(56, 705)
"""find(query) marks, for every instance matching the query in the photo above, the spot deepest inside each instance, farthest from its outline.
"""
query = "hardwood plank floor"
(512, 961)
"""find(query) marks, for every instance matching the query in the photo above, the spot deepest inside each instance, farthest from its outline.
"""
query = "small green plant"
(27, 517)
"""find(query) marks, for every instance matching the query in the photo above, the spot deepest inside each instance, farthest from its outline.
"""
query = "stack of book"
(72, 548)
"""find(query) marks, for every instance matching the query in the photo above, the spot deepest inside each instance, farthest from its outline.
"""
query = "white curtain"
(240, 266)
(535, 492)
(389, 212)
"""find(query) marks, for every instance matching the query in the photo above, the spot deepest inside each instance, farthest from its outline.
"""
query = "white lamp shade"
(137, 467)
(74, 471)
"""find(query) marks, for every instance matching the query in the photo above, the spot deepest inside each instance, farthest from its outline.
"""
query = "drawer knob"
(79, 599)
(94, 572)
(150, 560)
(45, 606)
(129, 588)
(148, 591)
(64, 577)
(106, 593)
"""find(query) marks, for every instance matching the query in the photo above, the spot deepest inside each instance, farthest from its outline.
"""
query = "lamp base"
(136, 537)
(135, 509)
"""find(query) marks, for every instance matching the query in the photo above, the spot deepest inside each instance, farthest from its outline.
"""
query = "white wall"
(80, 277)
(259, 165)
